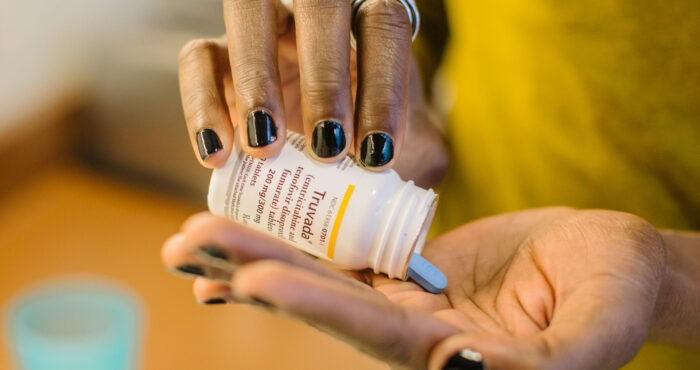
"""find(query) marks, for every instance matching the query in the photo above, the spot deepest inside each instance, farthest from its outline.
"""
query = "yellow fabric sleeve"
(587, 104)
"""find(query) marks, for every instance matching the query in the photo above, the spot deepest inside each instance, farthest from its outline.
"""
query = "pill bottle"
(335, 211)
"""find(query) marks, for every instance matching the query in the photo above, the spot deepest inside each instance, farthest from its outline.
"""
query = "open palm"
(543, 288)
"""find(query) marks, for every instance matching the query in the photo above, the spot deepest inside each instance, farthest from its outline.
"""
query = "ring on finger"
(410, 5)
(411, 10)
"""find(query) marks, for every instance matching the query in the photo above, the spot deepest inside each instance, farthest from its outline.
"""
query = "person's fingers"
(251, 28)
(323, 43)
(203, 64)
(210, 292)
(602, 303)
(224, 244)
(589, 331)
(477, 350)
(383, 32)
(588, 334)
(370, 322)
(179, 260)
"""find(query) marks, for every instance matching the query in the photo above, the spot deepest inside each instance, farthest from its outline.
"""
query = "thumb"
(590, 333)
(602, 309)
(476, 351)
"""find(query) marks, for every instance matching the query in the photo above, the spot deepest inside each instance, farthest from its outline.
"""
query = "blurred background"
(545, 103)
(97, 170)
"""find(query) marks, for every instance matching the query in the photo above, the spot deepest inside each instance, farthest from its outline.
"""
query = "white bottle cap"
(426, 275)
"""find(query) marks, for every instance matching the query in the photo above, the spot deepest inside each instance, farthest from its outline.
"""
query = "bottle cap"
(426, 275)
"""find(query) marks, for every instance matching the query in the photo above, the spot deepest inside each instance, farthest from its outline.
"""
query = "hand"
(267, 76)
(546, 288)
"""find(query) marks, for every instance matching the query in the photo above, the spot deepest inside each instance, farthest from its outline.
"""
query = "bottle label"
(291, 197)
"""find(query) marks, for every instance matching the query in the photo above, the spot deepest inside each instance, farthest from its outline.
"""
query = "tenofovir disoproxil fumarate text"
(336, 211)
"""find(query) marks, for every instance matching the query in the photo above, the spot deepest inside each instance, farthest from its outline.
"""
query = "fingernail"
(191, 269)
(377, 149)
(215, 252)
(328, 139)
(261, 129)
(465, 360)
(208, 143)
(215, 301)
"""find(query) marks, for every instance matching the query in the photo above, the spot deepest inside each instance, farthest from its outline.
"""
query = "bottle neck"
(402, 230)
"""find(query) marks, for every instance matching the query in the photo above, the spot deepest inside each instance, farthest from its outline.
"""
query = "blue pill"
(426, 275)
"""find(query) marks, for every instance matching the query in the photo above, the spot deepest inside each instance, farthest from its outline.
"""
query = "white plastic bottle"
(339, 211)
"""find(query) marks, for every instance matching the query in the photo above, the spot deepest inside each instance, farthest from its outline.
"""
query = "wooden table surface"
(66, 220)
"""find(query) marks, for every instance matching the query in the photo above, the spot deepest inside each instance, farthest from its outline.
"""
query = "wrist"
(676, 318)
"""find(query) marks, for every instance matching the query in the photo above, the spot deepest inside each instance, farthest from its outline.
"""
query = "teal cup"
(76, 325)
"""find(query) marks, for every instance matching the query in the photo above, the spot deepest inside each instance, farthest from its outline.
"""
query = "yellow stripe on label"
(338, 220)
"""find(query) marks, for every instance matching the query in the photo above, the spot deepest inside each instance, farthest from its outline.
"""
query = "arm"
(677, 314)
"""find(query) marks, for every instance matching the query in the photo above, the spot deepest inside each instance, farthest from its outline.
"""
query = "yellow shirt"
(587, 104)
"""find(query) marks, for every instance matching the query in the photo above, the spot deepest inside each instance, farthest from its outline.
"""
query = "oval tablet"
(426, 275)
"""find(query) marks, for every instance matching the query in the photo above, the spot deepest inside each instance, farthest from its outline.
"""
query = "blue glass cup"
(76, 324)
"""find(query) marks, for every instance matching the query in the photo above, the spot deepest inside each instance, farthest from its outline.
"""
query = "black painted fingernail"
(215, 301)
(261, 129)
(191, 269)
(377, 149)
(328, 139)
(259, 302)
(465, 360)
(215, 252)
(208, 143)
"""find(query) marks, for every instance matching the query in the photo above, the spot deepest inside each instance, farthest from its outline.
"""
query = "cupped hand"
(274, 71)
(547, 288)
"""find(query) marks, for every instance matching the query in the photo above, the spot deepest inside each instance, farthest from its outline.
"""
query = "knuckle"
(384, 94)
(633, 234)
(252, 80)
(321, 7)
(234, 6)
(389, 93)
(328, 69)
(386, 15)
(325, 87)
(199, 103)
(196, 49)
(201, 97)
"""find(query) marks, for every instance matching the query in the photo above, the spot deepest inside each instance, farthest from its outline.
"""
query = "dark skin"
(204, 67)
(302, 71)
(544, 288)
